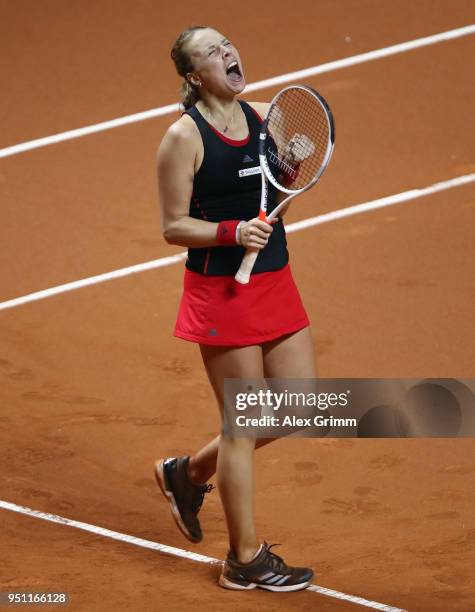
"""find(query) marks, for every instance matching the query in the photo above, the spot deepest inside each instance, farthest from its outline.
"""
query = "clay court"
(93, 385)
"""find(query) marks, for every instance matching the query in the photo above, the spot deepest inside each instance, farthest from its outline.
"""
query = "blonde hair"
(189, 93)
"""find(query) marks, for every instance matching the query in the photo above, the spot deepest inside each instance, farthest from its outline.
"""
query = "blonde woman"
(209, 190)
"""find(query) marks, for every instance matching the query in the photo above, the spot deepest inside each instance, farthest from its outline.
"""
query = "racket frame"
(243, 274)
(263, 159)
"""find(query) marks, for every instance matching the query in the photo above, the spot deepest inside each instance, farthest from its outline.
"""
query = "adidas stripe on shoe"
(266, 571)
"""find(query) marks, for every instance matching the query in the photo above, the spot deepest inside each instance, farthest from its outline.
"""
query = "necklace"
(212, 120)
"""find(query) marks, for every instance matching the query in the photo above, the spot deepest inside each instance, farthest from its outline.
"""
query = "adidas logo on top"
(247, 159)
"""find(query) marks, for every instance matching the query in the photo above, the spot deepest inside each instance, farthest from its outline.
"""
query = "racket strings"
(298, 138)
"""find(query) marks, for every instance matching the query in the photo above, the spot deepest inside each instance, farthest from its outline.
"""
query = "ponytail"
(189, 93)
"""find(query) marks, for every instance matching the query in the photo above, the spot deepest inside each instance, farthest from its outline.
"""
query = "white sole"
(229, 584)
(160, 478)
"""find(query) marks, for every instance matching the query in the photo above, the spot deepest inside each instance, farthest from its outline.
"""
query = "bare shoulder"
(181, 135)
(260, 107)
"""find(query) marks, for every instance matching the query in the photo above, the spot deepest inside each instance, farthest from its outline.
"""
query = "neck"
(218, 106)
(219, 112)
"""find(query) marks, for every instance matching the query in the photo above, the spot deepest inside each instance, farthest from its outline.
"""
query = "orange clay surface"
(93, 385)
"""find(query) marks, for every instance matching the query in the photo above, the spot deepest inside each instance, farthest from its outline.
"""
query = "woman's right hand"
(254, 234)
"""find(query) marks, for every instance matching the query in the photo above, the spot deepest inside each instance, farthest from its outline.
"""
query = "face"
(217, 63)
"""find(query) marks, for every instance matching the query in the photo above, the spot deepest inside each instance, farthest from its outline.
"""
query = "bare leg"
(291, 356)
(235, 460)
(235, 476)
(202, 465)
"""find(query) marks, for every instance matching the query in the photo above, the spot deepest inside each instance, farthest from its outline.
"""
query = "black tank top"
(228, 186)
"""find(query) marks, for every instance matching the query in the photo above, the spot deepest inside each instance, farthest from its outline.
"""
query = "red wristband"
(226, 234)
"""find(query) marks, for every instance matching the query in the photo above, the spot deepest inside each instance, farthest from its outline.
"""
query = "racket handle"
(247, 264)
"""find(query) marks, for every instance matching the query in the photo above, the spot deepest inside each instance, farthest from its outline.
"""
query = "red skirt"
(217, 310)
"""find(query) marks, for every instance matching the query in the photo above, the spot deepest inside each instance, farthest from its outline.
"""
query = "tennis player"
(209, 189)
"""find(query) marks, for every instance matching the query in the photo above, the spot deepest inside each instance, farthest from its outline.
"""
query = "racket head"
(296, 139)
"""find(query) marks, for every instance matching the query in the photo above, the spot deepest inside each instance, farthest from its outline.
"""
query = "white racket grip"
(247, 264)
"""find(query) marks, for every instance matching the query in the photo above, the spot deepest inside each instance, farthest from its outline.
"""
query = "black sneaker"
(184, 497)
(266, 571)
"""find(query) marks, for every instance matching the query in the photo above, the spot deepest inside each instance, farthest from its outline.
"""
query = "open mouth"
(233, 72)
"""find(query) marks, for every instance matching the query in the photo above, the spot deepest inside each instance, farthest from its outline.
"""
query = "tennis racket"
(295, 145)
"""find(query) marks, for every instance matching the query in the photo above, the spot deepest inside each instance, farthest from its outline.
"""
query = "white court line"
(93, 280)
(292, 227)
(278, 80)
(177, 552)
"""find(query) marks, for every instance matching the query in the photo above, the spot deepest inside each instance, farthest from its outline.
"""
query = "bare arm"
(176, 162)
(175, 168)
